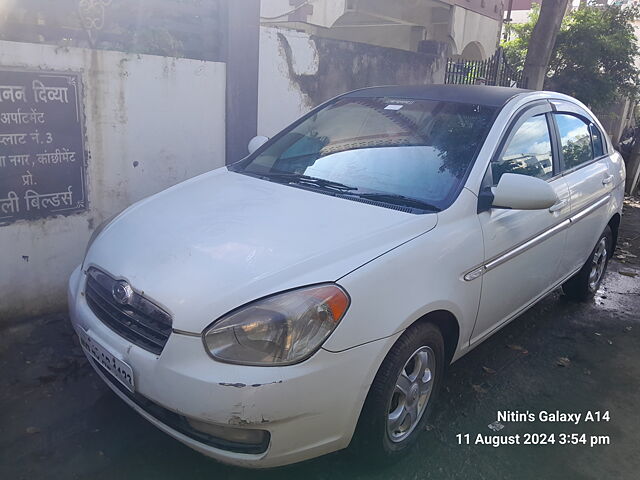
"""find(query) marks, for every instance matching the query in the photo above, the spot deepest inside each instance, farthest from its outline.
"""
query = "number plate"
(116, 367)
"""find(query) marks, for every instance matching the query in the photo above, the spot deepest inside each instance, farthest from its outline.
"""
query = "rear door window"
(575, 140)
(597, 141)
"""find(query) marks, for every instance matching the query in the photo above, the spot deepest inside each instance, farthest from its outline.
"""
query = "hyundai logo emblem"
(122, 292)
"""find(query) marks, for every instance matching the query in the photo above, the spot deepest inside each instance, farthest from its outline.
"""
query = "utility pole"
(507, 21)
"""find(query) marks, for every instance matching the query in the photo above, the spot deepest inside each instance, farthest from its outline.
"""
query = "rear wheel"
(402, 393)
(584, 284)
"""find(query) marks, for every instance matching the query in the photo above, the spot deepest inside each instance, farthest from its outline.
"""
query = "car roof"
(476, 94)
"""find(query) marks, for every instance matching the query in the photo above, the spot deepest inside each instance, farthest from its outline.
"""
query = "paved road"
(59, 421)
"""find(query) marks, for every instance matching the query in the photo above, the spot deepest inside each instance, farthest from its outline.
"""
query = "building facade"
(470, 28)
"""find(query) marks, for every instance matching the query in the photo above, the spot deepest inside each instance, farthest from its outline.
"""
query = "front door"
(523, 248)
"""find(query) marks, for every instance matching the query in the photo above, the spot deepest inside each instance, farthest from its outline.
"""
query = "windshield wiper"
(397, 199)
(301, 179)
(392, 198)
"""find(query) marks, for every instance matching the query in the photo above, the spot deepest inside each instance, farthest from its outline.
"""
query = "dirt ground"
(58, 420)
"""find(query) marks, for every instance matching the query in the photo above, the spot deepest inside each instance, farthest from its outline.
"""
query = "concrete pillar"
(243, 39)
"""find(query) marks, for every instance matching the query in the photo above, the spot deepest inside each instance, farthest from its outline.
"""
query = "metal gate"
(493, 71)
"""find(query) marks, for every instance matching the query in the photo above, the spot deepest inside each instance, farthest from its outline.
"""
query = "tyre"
(402, 393)
(584, 284)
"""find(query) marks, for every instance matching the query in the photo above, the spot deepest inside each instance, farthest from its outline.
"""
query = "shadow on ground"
(60, 421)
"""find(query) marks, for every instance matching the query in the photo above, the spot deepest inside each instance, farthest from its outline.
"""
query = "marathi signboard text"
(42, 158)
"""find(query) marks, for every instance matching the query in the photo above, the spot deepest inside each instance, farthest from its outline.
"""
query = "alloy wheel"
(411, 394)
(598, 264)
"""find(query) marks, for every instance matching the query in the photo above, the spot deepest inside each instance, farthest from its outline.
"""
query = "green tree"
(594, 55)
(516, 47)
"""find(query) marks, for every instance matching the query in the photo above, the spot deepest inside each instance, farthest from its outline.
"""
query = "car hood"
(215, 242)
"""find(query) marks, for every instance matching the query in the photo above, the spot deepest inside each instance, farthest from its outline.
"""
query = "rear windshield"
(381, 148)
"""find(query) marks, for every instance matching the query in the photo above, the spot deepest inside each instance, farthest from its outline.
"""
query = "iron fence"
(493, 71)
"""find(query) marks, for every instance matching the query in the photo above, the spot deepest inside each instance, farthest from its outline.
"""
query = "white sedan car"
(312, 295)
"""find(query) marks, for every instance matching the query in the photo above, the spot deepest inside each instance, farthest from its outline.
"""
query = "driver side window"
(528, 152)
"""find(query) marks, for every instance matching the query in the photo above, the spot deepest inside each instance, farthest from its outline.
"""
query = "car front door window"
(528, 152)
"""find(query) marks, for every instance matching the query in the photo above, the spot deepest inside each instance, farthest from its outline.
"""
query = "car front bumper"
(309, 409)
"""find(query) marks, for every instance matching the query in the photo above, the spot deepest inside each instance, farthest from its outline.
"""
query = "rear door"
(586, 169)
(523, 248)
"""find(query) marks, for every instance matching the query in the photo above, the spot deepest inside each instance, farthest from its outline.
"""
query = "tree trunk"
(542, 41)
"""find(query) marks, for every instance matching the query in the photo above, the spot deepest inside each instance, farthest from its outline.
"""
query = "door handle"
(558, 206)
(607, 180)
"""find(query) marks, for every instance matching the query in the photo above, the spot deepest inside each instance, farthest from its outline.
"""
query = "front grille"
(138, 320)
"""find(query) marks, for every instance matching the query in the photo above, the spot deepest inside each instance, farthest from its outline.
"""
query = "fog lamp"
(247, 436)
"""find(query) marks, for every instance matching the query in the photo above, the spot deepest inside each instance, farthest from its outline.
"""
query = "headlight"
(282, 329)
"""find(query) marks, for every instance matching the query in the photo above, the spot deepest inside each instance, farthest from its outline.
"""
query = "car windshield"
(414, 153)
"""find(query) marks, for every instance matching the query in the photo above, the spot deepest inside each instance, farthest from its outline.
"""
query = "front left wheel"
(402, 393)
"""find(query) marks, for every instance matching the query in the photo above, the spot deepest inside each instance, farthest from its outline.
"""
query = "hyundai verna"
(312, 295)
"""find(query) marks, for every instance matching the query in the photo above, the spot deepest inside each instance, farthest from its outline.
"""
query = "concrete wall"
(150, 121)
(319, 12)
(472, 28)
(298, 71)
(280, 99)
(404, 37)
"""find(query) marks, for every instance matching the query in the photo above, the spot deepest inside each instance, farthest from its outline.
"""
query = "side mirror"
(522, 192)
(256, 142)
